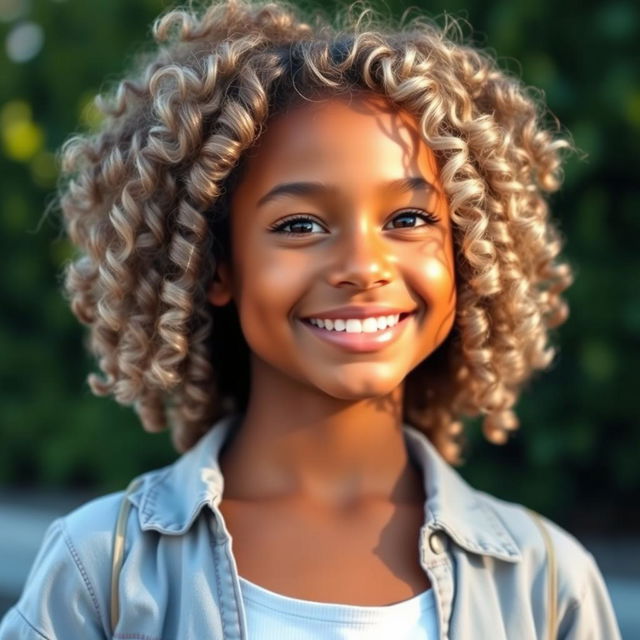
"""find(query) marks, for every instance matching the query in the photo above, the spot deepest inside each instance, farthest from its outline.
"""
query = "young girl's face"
(340, 205)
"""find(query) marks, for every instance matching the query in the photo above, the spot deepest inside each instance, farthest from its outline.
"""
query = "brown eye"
(299, 226)
(408, 215)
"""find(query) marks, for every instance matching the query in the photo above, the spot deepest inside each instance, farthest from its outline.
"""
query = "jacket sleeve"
(58, 601)
(591, 615)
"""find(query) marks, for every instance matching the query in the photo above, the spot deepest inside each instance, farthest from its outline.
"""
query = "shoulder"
(507, 542)
(580, 585)
(72, 566)
(88, 532)
(95, 517)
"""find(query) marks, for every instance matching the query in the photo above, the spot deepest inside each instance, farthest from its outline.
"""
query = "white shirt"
(272, 616)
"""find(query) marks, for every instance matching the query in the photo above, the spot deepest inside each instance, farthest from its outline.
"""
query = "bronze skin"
(340, 204)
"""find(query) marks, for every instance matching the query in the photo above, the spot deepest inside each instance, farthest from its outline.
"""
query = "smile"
(359, 334)
(357, 325)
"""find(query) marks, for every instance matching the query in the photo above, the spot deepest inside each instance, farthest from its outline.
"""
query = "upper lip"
(359, 312)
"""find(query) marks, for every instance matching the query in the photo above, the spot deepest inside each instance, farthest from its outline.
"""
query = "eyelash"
(428, 217)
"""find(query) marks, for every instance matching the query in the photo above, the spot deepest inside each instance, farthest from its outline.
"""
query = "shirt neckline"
(412, 607)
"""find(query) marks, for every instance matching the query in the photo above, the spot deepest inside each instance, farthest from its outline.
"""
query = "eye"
(411, 214)
(299, 225)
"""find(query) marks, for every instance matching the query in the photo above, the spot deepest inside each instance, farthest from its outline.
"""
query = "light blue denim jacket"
(485, 558)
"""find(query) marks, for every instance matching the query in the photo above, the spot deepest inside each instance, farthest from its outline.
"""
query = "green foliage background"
(576, 455)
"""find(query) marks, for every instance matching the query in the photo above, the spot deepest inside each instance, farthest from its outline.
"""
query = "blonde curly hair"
(145, 200)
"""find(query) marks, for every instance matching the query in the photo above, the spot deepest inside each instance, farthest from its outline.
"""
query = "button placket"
(230, 602)
(437, 564)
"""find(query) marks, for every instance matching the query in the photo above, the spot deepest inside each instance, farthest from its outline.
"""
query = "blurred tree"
(579, 429)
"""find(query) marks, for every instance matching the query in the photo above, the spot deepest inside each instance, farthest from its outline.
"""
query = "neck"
(296, 441)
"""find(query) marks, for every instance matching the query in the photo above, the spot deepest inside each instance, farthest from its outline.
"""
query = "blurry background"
(576, 457)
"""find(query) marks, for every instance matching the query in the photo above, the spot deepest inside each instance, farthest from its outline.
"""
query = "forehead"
(353, 140)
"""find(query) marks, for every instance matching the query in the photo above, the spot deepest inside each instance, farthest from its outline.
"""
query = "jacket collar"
(170, 499)
(455, 507)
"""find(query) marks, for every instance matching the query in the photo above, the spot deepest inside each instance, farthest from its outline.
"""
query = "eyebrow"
(413, 183)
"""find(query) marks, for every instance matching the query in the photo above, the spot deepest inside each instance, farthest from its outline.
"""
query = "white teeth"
(370, 325)
(354, 326)
(357, 325)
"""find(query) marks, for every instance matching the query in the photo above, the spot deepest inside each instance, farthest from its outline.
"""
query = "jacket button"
(436, 542)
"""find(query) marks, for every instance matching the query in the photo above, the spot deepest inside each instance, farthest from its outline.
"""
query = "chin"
(362, 390)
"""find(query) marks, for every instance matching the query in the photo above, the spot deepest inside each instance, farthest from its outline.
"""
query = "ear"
(220, 292)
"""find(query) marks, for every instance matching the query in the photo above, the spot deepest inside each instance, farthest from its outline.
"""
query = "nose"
(363, 259)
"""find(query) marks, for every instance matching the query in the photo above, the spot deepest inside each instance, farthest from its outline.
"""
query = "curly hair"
(145, 199)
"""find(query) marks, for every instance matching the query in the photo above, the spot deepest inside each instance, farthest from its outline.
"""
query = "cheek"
(272, 284)
(435, 266)
(435, 283)
(433, 279)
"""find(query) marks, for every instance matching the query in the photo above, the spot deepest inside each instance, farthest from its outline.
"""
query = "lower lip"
(360, 342)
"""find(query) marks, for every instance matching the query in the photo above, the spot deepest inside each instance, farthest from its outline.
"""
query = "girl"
(331, 245)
